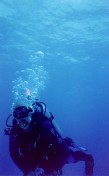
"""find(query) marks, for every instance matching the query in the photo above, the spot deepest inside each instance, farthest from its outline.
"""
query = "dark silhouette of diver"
(35, 142)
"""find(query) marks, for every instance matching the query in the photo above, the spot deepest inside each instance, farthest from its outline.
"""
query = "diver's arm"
(21, 162)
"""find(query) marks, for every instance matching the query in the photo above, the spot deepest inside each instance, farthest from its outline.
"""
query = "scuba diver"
(36, 144)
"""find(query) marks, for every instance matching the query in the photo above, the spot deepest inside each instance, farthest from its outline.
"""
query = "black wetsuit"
(43, 147)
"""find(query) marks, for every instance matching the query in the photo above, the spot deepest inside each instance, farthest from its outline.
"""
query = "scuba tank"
(47, 115)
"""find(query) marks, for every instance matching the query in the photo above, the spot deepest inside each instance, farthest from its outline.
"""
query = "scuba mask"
(22, 117)
(21, 112)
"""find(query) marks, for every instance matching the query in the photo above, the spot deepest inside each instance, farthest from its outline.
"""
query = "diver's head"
(22, 117)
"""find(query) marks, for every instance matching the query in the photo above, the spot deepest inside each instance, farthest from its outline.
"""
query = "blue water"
(73, 36)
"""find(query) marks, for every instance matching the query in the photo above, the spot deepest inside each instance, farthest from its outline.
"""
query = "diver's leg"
(87, 158)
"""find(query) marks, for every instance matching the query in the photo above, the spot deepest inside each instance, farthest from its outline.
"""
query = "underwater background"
(59, 50)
